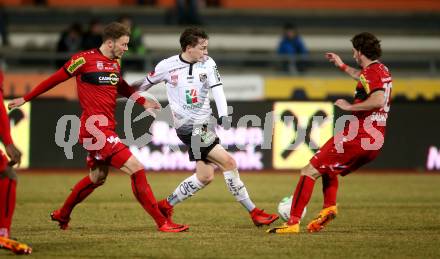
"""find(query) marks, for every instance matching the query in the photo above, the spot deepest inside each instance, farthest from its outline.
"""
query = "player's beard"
(116, 55)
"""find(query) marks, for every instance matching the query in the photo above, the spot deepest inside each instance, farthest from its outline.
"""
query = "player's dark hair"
(191, 36)
(367, 44)
(114, 31)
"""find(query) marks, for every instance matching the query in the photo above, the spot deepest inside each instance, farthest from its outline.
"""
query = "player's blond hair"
(114, 31)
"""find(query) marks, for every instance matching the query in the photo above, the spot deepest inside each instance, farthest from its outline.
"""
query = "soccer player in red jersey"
(99, 81)
(8, 181)
(349, 149)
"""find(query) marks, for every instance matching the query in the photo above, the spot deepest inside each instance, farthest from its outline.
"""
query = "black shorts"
(199, 147)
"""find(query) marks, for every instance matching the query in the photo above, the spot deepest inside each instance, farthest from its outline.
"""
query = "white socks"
(186, 189)
(191, 185)
(237, 188)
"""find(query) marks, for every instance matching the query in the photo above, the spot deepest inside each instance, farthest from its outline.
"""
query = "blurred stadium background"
(244, 35)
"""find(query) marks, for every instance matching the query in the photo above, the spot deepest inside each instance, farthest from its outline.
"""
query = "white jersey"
(188, 86)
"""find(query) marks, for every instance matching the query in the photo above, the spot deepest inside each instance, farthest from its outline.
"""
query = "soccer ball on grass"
(284, 208)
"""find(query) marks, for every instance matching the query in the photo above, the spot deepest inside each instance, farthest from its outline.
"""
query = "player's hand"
(15, 103)
(152, 106)
(343, 104)
(14, 154)
(225, 122)
(334, 58)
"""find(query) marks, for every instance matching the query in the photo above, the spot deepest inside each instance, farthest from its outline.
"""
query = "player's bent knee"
(98, 176)
(310, 171)
(98, 179)
(229, 164)
(206, 179)
(131, 166)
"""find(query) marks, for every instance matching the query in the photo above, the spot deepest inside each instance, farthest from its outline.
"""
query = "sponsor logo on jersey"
(379, 116)
(190, 79)
(217, 74)
(112, 79)
(203, 77)
(75, 64)
(99, 65)
(191, 96)
(364, 83)
(101, 78)
(174, 79)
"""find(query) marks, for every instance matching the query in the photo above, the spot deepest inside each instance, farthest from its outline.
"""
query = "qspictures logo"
(433, 159)
(300, 129)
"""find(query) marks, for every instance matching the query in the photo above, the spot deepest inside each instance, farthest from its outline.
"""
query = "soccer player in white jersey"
(188, 78)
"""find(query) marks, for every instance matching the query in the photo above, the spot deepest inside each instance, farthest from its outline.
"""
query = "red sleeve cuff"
(7, 141)
(141, 101)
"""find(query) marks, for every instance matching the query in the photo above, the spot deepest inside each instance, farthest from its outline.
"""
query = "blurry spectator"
(4, 41)
(93, 37)
(188, 12)
(135, 46)
(69, 42)
(292, 44)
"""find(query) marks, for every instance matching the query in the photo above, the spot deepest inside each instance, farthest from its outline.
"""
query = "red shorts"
(113, 153)
(3, 161)
(329, 161)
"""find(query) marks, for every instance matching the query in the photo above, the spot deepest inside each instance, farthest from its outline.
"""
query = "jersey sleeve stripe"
(149, 80)
(215, 85)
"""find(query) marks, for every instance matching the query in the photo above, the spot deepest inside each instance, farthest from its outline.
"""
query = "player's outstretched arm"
(58, 77)
(337, 61)
(126, 90)
(141, 85)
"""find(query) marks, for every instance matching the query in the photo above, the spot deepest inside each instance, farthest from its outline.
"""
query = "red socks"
(80, 191)
(301, 197)
(7, 202)
(143, 193)
(329, 189)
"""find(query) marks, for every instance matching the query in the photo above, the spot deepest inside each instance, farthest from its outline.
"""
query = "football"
(284, 208)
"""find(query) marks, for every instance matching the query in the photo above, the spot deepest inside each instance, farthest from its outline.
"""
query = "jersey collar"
(184, 61)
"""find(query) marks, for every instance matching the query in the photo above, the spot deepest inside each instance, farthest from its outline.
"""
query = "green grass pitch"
(388, 215)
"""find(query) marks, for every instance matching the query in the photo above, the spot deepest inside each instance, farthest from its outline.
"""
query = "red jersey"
(374, 77)
(5, 132)
(97, 79)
